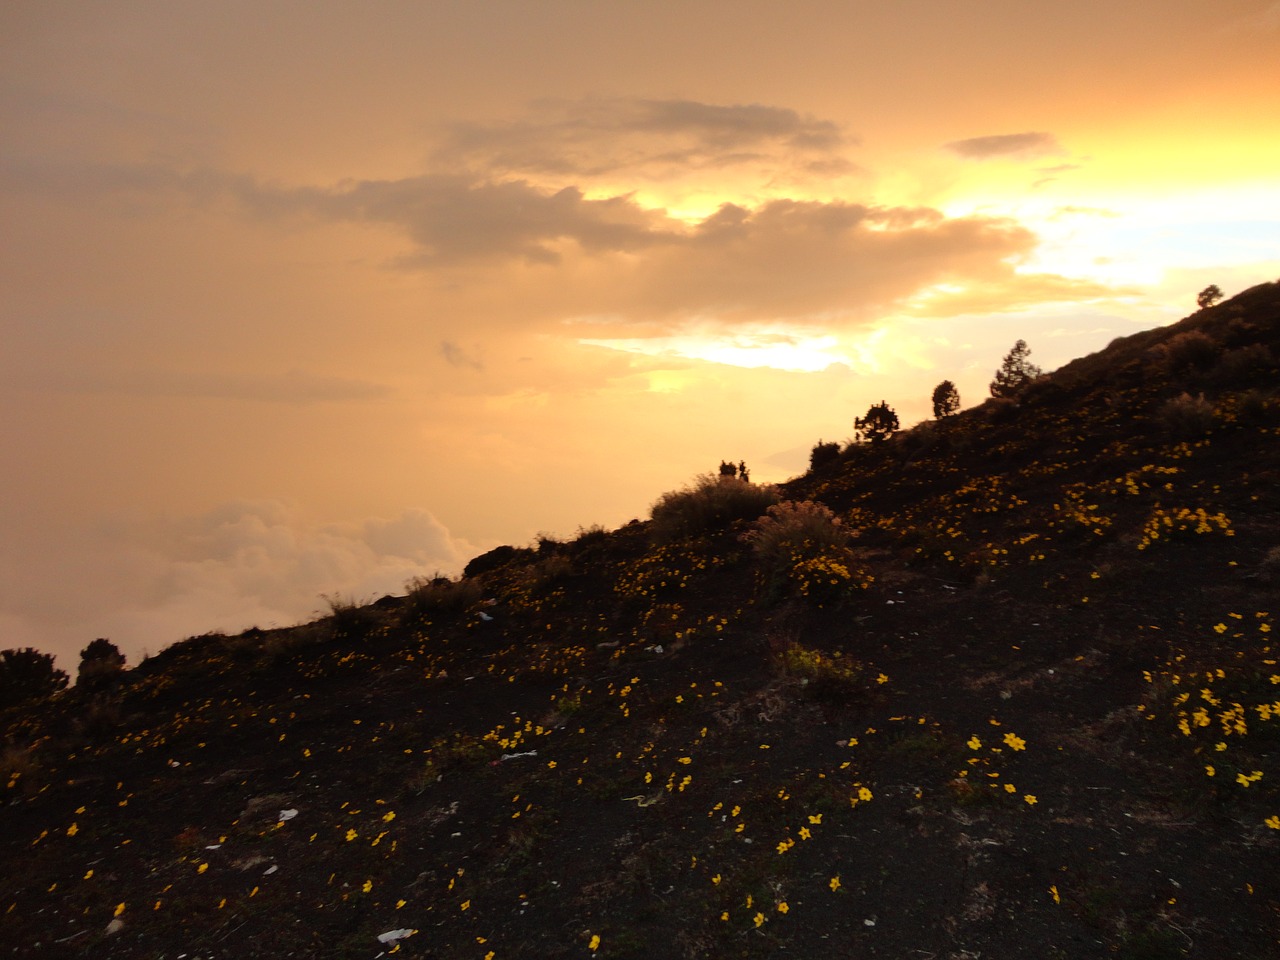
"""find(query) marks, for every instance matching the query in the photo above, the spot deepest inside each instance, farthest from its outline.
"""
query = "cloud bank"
(148, 584)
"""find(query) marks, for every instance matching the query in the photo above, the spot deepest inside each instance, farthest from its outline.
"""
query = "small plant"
(946, 399)
(1188, 417)
(878, 425)
(1016, 371)
(826, 675)
(350, 619)
(713, 502)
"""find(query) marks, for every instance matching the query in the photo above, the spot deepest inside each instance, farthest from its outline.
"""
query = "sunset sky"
(304, 298)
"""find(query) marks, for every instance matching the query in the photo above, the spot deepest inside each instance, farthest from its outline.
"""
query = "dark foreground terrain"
(1030, 709)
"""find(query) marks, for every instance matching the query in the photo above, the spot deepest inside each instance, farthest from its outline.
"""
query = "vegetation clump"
(711, 503)
(101, 664)
(27, 674)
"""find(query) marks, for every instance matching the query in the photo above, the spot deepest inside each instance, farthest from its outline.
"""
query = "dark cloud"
(644, 137)
(797, 259)
(452, 219)
(1006, 145)
(458, 357)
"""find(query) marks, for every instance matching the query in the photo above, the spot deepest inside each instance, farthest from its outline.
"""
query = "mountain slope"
(1031, 709)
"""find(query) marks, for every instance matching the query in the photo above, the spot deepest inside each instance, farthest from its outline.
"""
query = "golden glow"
(803, 352)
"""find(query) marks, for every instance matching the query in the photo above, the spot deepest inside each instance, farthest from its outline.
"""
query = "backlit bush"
(791, 528)
(713, 502)
(1187, 417)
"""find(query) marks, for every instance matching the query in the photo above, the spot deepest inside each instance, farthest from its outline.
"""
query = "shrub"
(1187, 417)
(350, 619)
(791, 528)
(27, 674)
(101, 664)
(803, 553)
(878, 425)
(823, 454)
(495, 558)
(713, 502)
(596, 533)
(826, 675)
(428, 596)
(1242, 364)
(1001, 409)
(1187, 351)
(1257, 408)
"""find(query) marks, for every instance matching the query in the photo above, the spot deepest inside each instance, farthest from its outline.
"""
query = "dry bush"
(1242, 364)
(1192, 350)
(430, 596)
(1186, 417)
(794, 529)
(713, 502)
(1257, 408)
(1001, 409)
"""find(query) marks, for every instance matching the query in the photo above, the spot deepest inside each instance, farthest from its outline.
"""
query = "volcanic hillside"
(1003, 685)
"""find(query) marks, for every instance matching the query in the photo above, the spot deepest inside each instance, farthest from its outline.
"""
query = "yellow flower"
(883, 678)
(368, 885)
(388, 816)
(815, 818)
(466, 905)
(759, 919)
(119, 909)
(595, 942)
(974, 743)
(716, 878)
(1015, 742)
(834, 884)
(1010, 788)
(1054, 891)
(804, 833)
(1030, 798)
(782, 907)
(72, 830)
(864, 793)
(351, 835)
(1208, 769)
(1273, 822)
(202, 868)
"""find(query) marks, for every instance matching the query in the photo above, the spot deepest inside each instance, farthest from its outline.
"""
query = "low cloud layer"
(148, 584)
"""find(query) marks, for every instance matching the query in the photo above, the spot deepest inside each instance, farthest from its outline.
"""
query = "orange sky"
(303, 298)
